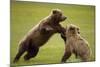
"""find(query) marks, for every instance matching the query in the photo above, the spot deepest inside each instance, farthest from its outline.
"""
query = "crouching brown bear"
(40, 34)
(75, 44)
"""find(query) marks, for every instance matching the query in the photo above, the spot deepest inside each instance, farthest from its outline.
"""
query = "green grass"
(25, 15)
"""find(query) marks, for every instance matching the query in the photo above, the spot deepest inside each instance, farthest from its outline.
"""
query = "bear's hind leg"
(32, 52)
(84, 58)
(20, 52)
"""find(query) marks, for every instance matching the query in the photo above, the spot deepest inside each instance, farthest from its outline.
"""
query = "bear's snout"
(63, 18)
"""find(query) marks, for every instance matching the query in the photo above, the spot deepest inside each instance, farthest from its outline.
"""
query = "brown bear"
(75, 44)
(40, 34)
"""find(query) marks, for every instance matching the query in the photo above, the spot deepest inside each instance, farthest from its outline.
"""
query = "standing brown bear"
(75, 44)
(40, 34)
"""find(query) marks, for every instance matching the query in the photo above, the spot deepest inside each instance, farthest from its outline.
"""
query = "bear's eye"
(60, 14)
(78, 31)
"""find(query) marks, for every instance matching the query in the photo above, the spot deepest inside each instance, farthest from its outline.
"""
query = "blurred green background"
(25, 15)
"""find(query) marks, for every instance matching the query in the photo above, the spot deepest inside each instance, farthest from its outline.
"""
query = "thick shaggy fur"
(75, 44)
(40, 34)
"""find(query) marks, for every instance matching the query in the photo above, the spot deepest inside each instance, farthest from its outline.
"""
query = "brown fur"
(40, 34)
(75, 44)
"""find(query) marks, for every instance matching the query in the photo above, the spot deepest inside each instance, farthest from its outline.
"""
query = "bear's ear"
(54, 11)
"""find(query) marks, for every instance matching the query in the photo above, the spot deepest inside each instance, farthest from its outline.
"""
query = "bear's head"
(57, 15)
(73, 29)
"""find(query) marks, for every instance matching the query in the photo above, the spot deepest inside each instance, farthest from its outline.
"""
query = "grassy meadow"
(25, 15)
